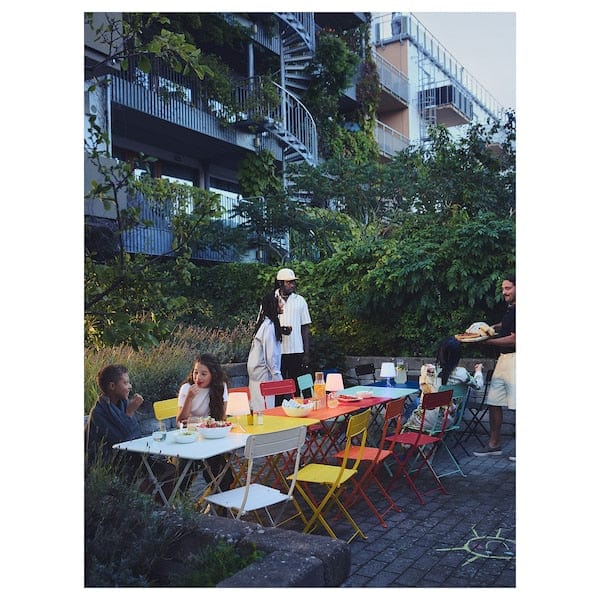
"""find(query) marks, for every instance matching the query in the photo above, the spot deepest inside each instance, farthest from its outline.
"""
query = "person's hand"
(193, 390)
(478, 367)
(134, 403)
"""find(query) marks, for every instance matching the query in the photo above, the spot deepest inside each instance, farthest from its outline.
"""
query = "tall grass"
(158, 372)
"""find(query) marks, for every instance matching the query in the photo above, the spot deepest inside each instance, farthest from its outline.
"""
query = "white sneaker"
(513, 458)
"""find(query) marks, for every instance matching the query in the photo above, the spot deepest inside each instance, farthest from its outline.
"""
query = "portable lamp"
(388, 370)
(333, 383)
(238, 404)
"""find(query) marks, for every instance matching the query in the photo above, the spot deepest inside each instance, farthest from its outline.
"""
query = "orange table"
(320, 446)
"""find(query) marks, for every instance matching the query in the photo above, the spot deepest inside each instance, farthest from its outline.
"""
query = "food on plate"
(476, 331)
(346, 397)
(210, 423)
(467, 336)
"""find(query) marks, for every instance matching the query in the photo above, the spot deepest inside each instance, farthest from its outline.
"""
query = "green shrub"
(158, 372)
(126, 539)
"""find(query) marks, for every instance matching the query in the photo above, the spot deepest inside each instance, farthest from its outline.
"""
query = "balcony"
(395, 90)
(157, 238)
(453, 106)
(389, 140)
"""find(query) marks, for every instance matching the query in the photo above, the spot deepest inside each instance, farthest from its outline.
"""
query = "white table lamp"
(388, 370)
(238, 404)
(333, 383)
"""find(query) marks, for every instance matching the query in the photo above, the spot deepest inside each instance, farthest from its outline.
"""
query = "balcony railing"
(157, 238)
(389, 140)
(392, 79)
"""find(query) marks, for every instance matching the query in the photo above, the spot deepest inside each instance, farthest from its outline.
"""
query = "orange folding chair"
(376, 457)
(413, 449)
(333, 479)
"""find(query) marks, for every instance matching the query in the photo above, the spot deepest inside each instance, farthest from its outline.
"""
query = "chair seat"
(369, 454)
(317, 473)
(259, 496)
(413, 438)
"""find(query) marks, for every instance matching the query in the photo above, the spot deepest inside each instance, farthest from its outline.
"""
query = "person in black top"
(502, 391)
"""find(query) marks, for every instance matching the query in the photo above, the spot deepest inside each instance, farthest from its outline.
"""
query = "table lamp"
(238, 404)
(333, 383)
(388, 370)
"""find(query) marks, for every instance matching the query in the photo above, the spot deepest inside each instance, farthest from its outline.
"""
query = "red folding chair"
(277, 388)
(413, 450)
(375, 457)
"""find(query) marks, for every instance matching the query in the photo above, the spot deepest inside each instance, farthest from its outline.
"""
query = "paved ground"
(463, 539)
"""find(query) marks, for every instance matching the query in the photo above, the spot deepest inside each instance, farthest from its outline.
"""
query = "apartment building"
(422, 84)
(200, 140)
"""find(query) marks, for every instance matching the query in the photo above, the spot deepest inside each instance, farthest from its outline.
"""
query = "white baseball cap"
(285, 275)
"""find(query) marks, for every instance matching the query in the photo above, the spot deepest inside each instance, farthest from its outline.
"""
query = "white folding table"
(198, 450)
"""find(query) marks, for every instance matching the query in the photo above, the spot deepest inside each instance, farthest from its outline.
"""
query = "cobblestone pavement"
(466, 538)
(463, 539)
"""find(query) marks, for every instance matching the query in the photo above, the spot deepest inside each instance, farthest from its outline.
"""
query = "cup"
(159, 436)
(192, 423)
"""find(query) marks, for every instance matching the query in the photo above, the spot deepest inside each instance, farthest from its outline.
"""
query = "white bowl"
(214, 432)
(186, 437)
(300, 411)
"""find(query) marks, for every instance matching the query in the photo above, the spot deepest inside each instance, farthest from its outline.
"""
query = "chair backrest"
(165, 409)
(357, 426)
(268, 444)
(306, 382)
(431, 402)
(367, 371)
(393, 410)
(460, 392)
(276, 388)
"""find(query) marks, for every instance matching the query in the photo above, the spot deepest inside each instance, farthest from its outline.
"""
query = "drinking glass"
(400, 371)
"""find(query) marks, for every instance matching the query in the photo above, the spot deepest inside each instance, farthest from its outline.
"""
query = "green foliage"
(126, 540)
(157, 372)
(215, 564)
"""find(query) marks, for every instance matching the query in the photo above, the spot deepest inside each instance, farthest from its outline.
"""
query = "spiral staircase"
(286, 118)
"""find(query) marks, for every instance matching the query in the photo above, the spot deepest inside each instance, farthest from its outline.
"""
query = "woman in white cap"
(295, 355)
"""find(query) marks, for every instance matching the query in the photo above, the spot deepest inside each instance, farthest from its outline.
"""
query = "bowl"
(298, 411)
(185, 437)
(212, 433)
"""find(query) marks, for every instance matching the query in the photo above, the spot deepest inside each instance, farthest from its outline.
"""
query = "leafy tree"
(135, 298)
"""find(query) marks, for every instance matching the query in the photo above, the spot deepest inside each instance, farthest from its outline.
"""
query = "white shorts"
(502, 390)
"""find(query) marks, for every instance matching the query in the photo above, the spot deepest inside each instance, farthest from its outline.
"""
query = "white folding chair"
(255, 496)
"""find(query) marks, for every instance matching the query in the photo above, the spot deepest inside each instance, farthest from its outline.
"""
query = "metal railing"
(391, 78)
(157, 237)
(389, 140)
(409, 27)
(266, 104)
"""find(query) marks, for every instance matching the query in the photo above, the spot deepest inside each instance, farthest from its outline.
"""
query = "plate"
(346, 398)
(185, 438)
(480, 338)
(212, 433)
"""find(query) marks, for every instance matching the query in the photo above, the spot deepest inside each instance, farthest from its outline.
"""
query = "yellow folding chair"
(334, 479)
(165, 409)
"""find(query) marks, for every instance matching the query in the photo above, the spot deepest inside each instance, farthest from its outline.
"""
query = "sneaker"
(513, 458)
(489, 452)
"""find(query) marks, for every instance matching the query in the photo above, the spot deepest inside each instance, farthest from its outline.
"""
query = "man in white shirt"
(295, 354)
